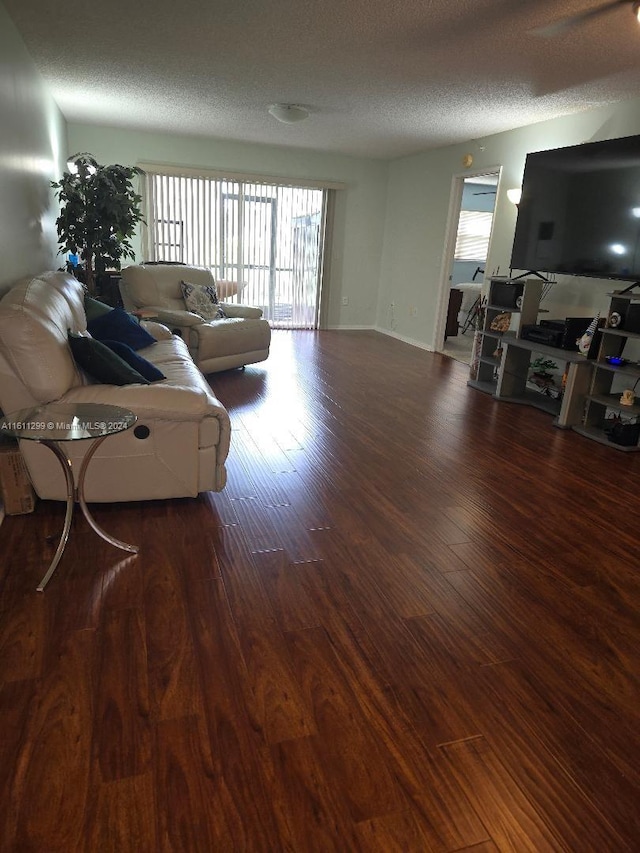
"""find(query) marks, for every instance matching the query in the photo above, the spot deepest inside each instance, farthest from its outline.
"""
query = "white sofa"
(188, 437)
(243, 337)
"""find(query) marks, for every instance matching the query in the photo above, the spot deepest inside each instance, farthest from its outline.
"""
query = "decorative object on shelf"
(501, 322)
(497, 353)
(541, 375)
(610, 415)
(584, 342)
(99, 214)
(616, 360)
(543, 366)
(623, 434)
(476, 351)
(615, 320)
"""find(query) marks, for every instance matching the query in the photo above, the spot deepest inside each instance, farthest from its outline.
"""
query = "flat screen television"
(580, 211)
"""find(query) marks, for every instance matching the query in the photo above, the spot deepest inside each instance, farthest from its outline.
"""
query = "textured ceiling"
(382, 78)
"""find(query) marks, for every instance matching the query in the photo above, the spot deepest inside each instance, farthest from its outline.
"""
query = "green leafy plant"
(99, 212)
(543, 366)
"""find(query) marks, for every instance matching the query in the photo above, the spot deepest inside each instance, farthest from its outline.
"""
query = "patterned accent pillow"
(202, 299)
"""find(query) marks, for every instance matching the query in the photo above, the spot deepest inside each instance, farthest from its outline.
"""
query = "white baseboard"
(350, 328)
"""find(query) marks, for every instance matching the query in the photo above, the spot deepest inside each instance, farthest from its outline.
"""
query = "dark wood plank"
(122, 732)
(239, 750)
(310, 810)
(510, 818)
(188, 806)
(121, 815)
(172, 669)
(22, 633)
(344, 742)
(51, 745)
(438, 807)
(281, 707)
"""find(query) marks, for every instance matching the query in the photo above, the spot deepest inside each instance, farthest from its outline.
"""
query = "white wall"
(32, 151)
(359, 216)
(417, 210)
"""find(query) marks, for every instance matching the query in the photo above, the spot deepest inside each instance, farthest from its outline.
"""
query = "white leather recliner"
(242, 337)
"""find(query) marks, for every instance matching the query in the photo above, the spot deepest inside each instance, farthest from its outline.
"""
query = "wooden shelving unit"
(523, 304)
(506, 378)
(602, 403)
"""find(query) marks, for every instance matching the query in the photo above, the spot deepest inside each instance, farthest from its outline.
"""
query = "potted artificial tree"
(99, 213)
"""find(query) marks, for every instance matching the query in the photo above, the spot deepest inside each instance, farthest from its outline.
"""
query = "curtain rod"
(230, 175)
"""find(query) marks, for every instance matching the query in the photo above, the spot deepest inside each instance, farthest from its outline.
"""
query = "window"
(474, 231)
(268, 236)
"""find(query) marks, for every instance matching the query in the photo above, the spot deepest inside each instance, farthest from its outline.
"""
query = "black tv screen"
(580, 211)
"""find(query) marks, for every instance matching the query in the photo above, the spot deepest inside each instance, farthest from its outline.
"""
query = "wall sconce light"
(514, 195)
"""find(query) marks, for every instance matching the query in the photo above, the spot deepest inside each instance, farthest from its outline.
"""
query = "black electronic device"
(572, 328)
(579, 213)
(541, 334)
(557, 333)
(507, 294)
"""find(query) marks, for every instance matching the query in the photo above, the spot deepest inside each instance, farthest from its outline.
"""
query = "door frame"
(451, 232)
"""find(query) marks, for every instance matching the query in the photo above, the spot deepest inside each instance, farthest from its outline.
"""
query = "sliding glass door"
(269, 237)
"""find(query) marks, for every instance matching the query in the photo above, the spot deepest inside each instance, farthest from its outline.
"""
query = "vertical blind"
(266, 236)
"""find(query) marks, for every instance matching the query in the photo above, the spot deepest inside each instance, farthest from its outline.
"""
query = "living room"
(503, 712)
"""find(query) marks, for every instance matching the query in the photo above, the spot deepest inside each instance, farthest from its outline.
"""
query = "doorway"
(473, 202)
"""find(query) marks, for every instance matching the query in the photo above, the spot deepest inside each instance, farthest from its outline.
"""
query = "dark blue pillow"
(117, 325)
(101, 363)
(145, 368)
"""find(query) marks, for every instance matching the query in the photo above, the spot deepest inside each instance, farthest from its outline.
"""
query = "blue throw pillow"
(117, 325)
(101, 363)
(145, 368)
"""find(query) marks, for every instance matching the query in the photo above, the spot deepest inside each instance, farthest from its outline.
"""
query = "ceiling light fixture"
(636, 11)
(288, 113)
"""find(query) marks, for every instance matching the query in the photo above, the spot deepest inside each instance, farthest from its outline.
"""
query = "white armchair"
(242, 337)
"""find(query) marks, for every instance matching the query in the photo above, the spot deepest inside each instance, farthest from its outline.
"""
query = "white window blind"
(269, 237)
(474, 231)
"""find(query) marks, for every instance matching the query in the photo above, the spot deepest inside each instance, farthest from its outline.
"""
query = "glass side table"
(54, 423)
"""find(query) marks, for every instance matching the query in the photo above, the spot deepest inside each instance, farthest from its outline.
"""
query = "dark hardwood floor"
(409, 623)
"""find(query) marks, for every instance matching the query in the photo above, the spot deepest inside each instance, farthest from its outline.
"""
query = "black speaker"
(507, 294)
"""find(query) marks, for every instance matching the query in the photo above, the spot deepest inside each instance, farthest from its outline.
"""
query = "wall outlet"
(392, 305)
(413, 311)
(345, 300)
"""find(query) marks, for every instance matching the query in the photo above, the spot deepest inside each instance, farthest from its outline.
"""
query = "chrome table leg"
(66, 467)
(85, 509)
